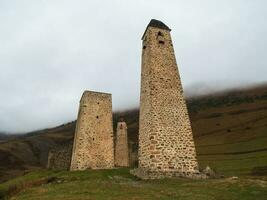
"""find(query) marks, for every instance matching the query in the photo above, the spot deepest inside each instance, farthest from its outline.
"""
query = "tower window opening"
(144, 47)
(96, 117)
(160, 34)
(161, 42)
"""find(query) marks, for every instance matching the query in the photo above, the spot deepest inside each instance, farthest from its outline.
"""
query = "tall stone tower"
(166, 145)
(121, 145)
(93, 141)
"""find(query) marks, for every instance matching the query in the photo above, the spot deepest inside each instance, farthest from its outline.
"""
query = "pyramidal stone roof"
(157, 24)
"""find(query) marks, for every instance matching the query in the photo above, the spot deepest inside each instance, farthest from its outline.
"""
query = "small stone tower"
(93, 141)
(166, 145)
(121, 145)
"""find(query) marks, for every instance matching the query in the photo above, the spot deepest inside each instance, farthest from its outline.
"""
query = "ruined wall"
(121, 146)
(166, 146)
(133, 154)
(93, 141)
(59, 157)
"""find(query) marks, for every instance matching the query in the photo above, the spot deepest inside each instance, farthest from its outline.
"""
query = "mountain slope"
(230, 131)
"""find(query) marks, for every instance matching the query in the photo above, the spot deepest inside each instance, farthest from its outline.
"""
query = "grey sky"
(53, 50)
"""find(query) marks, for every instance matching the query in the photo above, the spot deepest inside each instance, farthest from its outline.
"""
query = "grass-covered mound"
(120, 185)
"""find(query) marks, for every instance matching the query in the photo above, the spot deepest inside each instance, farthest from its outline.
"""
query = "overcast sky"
(53, 50)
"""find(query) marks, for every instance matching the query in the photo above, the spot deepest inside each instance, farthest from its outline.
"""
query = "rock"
(234, 178)
(209, 172)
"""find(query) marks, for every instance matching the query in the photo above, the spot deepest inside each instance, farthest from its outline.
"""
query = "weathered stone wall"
(133, 154)
(59, 157)
(93, 141)
(166, 145)
(121, 146)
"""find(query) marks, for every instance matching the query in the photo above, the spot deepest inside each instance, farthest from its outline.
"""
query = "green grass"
(233, 145)
(21, 180)
(234, 165)
(120, 185)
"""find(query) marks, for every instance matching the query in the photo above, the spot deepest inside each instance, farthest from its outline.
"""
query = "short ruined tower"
(121, 145)
(93, 141)
(59, 157)
(166, 145)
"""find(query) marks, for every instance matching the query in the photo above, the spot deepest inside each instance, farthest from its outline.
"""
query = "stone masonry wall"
(93, 141)
(133, 154)
(60, 157)
(121, 146)
(166, 145)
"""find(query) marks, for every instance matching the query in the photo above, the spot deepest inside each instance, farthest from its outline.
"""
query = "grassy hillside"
(28, 152)
(230, 131)
(119, 184)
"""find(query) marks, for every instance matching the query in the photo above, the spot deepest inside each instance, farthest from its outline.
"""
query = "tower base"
(148, 174)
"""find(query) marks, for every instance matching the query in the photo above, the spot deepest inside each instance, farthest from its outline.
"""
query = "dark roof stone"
(157, 24)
